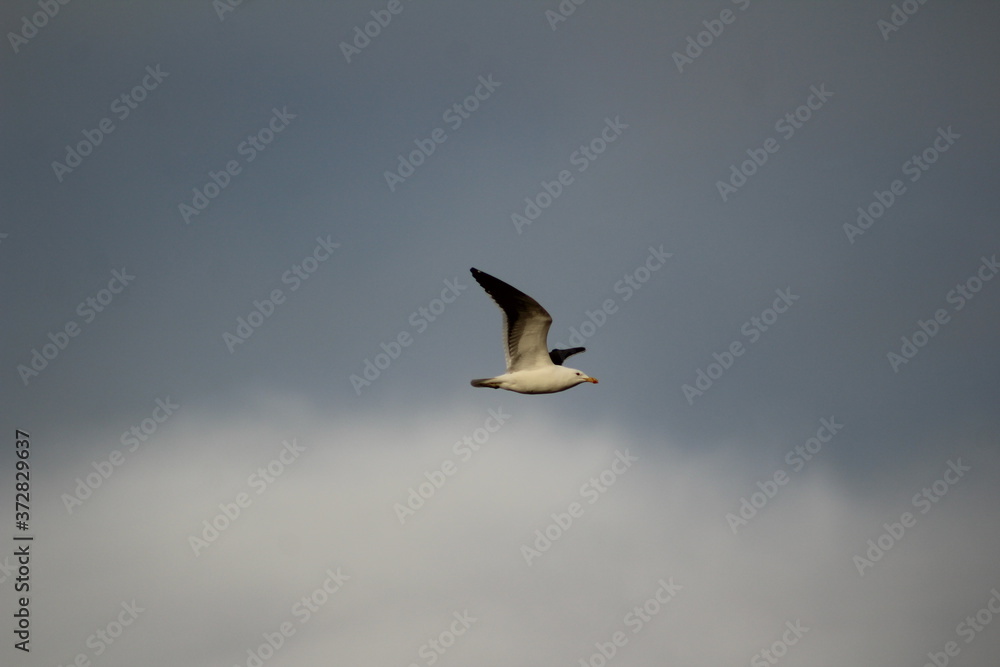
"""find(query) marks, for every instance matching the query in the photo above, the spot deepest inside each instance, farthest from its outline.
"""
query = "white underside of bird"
(531, 368)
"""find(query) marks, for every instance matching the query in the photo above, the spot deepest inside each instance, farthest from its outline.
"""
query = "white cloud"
(663, 518)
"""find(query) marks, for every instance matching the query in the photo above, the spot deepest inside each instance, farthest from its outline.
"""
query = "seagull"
(530, 368)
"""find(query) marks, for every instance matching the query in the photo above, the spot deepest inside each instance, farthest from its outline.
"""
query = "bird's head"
(580, 376)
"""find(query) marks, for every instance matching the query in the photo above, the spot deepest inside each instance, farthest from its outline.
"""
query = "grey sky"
(804, 111)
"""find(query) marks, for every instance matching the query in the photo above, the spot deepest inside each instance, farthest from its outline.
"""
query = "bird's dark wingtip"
(559, 356)
(480, 276)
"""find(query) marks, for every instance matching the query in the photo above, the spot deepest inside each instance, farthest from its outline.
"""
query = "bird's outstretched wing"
(525, 323)
(559, 356)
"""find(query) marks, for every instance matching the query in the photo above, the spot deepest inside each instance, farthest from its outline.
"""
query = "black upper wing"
(559, 356)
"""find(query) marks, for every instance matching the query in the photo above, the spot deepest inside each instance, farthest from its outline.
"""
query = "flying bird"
(531, 368)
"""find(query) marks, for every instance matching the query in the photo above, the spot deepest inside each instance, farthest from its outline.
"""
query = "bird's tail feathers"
(485, 382)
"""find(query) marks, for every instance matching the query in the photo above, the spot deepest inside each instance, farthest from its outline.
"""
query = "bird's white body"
(543, 380)
(531, 368)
